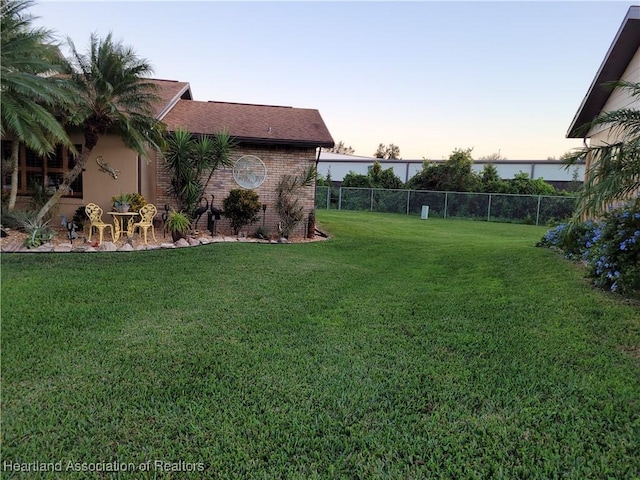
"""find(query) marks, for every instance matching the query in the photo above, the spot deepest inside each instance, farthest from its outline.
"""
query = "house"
(275, 140)
(621, 62)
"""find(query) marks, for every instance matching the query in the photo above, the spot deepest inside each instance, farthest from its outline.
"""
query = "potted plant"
(179, 224)
(121, 202)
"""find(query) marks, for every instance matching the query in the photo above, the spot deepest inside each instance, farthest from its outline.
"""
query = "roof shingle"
(169, 92)
(265, 124)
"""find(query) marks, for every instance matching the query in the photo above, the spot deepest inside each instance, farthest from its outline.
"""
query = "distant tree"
(454, 175)
(491, 181)
(493, 157)
(353, 179)
(340, 147)
(388, 152)
(457, 174)
(384, 178)
(566, 156)
(388, 179)
(522, 184)
(563, 157)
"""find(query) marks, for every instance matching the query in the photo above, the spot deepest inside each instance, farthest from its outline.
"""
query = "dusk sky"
(429, 77)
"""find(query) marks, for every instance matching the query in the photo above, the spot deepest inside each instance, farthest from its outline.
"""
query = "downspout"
(139, 174)
(318, 159)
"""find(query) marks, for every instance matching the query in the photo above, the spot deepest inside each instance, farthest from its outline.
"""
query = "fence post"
(329, 198)
(446, 202)
(408, 196)
(340, 199)
(538, 210)
(489, 210)
(371, 208)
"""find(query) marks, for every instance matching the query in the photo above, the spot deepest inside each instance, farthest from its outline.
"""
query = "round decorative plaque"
(249, 171)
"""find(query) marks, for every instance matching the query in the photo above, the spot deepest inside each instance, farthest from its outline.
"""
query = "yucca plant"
(39, 233)
(287, 203)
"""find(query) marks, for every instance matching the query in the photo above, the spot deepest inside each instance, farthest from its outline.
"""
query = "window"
(35, 169)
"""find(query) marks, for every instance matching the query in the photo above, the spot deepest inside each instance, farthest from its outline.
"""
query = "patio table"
(119, 220)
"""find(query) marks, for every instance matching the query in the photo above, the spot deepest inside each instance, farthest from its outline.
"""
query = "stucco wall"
(279, 160)
(99, 187)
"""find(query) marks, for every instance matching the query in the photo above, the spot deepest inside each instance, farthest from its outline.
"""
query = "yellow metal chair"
(94, 212)
(146, 214)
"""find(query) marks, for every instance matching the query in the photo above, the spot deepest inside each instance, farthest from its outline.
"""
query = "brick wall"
(279, 160)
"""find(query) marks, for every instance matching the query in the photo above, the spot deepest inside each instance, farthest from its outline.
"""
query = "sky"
(430, 77)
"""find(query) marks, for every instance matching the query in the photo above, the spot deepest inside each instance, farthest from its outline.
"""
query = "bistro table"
(119, 220)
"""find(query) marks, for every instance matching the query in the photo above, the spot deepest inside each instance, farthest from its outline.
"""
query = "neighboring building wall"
(279, 161)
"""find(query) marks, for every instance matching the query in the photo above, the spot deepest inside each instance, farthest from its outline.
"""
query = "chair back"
(94, 212)
(147, 213)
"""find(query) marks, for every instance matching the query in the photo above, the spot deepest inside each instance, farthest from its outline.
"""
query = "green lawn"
(401, 348)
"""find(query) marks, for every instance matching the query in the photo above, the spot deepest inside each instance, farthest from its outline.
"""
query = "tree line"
(454, 175)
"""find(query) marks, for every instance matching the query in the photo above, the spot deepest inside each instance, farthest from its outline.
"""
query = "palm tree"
(613, 175)
(30, 93)
(114, 98)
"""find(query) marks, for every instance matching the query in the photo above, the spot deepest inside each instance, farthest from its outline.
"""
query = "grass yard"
(400, 349)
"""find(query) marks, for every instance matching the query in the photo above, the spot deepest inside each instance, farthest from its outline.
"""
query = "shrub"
(178, 223)
(353, 179)
(610, 248)
(241, 207)
(613, 252)
(573, 240)
(39, 233)
(287, 205)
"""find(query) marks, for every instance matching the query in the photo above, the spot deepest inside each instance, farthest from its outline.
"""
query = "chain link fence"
(493, 207)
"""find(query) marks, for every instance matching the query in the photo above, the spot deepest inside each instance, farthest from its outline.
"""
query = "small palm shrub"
(241, 207)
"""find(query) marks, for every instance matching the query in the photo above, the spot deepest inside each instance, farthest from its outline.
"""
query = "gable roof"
(263, 124)
(621, 51)
(169, 92)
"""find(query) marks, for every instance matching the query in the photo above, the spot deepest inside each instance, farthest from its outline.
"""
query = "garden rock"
(107, 247)
(45, 247)
(63, 248)
(182, 243)
(127, 247)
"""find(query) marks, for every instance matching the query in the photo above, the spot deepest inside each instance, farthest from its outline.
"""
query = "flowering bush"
(613, 256)
(572, 240)
(610, 248)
